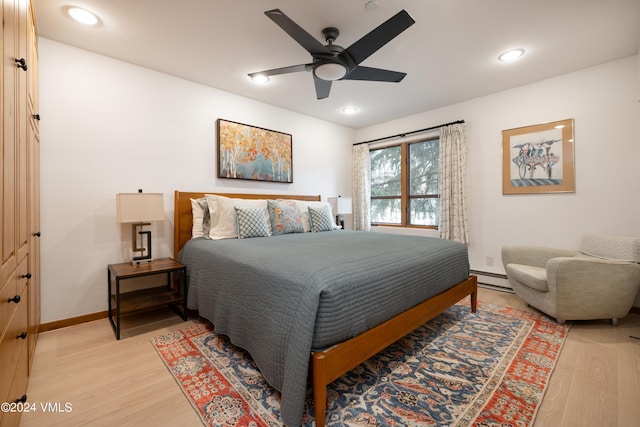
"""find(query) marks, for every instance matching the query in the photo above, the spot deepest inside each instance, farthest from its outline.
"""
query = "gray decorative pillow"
(321, 219)
(252, 222)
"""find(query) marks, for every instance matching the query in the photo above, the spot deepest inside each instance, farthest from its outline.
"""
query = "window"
(405, 185)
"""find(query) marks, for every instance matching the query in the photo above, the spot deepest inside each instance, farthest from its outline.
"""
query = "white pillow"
(200, 212)
(303, 208)
(226, 225)
(205, 216)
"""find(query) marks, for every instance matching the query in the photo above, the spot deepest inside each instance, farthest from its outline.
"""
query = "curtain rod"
(409, 133)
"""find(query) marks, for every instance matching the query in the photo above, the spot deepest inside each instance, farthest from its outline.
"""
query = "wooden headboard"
(183, 217)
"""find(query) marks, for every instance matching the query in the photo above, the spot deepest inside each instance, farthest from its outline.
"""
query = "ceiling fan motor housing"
(335, 65)
(332, 62)
(330, 34)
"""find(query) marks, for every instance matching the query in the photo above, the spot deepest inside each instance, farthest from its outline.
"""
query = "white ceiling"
(449, 54)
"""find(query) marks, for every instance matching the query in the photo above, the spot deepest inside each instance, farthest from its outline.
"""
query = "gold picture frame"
(539, 159)
(253, 153)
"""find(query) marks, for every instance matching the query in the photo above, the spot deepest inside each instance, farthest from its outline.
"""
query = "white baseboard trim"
(496, 288)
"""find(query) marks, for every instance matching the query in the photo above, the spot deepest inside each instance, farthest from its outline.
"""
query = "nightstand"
(174, 293)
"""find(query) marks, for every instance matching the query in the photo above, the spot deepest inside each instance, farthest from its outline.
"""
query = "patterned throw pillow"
(251, 223)
(284, 216)
(321, 219)
(303, 209)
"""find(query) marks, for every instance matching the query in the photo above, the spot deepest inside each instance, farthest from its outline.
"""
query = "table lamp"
(139, 209)
(341, 206)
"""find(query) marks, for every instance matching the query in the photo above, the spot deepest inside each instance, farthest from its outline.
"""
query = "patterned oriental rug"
(490, 368)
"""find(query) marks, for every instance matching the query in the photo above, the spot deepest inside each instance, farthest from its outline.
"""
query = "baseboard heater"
(491, 280)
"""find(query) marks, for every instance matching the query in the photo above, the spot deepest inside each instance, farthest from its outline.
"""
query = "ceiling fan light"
(330, 71)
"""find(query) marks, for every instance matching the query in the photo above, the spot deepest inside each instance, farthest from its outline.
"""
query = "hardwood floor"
(107, 382)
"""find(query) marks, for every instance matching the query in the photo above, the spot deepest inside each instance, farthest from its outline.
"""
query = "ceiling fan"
(332, 62)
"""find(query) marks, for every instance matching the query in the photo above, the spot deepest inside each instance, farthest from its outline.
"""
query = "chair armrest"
(571, 275)
(536, 256)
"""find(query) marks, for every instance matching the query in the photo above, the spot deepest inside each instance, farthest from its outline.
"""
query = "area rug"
(489, 368)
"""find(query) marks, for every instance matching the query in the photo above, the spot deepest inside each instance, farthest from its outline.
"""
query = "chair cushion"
(622, 248)
(533, 277)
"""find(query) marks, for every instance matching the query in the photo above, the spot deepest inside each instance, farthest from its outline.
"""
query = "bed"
(346, 295)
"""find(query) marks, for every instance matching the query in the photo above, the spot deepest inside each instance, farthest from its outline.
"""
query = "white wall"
(603, 102)
(109, 127)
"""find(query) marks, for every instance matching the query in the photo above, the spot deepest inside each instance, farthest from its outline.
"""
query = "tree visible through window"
(405, 187)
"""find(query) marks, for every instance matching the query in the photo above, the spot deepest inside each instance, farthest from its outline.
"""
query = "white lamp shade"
(140, 207)
(341, 205)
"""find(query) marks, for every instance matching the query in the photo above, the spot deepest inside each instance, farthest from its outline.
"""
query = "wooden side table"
(145, 299)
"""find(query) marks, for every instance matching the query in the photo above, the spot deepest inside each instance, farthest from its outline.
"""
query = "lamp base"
(143, 258)
(136, 261)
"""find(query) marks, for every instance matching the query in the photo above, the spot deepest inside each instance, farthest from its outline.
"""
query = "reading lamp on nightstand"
(140, 209)
(341, 206)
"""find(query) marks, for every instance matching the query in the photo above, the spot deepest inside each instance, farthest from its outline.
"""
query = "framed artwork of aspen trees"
(253, 153)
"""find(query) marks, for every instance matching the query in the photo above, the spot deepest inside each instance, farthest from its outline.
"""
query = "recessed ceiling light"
(511, 55)
(82, 16)
(371, 5)
(260, 78)
(349, 110)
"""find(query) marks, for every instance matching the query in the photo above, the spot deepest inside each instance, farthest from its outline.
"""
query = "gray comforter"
(280, 297)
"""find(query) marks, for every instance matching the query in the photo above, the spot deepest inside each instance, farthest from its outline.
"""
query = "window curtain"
(361, 187)
(453, 176)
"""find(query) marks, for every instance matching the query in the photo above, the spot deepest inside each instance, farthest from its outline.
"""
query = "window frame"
(405, 197)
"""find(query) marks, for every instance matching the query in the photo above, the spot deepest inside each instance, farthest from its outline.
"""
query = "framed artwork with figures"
(539, 158)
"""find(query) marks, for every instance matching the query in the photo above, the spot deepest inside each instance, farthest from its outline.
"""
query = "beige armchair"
(600, 281)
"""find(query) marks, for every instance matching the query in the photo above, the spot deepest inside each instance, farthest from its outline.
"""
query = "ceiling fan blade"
(378, 37)
(374, 74)
(306, 40)
(282, 70)
(323, 87)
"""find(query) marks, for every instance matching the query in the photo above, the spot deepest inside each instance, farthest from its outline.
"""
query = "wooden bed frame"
(328, 365)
